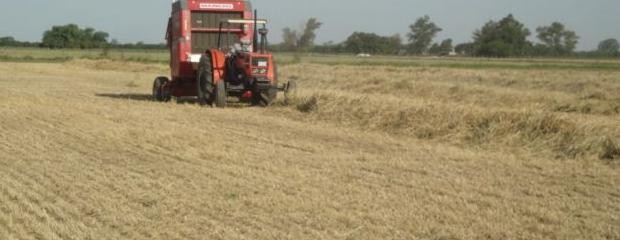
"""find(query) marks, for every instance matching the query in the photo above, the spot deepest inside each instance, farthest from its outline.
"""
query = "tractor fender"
(218, 62)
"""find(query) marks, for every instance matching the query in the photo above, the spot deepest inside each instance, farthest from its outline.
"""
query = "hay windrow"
(543, 133)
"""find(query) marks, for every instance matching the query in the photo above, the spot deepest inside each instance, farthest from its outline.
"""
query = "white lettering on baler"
(225, 6)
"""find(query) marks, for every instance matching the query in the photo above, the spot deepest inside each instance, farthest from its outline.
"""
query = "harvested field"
(419, 151)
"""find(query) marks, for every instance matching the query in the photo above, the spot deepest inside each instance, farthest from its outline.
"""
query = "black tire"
(204, 78)
(291, 89)
(159, 93)
(221, 96)
(261, 98)
(273, 95)
(264, 98)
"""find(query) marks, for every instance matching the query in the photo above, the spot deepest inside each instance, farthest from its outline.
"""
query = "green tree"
(7, 41)
(100, 38)
(441, 49)
(445, 48)
(360, 42)
(12, 42)
(328, 47)
(289, 39)
(292, 40)
(421, 35)
(505, 38)
(557, 40)
(609, 47)
(393, 44)
(87, 37)
(435, 49)
(72, 36)
(306, 40)
(466, 49)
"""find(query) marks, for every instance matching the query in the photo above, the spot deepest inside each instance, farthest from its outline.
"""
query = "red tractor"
(215, 53)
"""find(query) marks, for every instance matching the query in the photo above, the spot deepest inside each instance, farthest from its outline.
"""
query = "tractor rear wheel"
(205, 81)
(262, 96)
(159, 93)
(220, 94)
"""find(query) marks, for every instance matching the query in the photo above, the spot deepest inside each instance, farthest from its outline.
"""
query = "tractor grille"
(202, 40)
(259, 62)
(212, 19)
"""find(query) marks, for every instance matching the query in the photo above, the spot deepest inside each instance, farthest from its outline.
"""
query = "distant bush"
(360, 42)
(72, 36)
(28, 58)
(11, 42)
(505, 38)
(138, 45)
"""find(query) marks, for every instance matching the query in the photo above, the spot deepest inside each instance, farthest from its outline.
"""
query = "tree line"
(506, 37)
(71, 36)
(11, 42)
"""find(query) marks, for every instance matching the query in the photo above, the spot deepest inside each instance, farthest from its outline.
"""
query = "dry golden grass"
(361, 153)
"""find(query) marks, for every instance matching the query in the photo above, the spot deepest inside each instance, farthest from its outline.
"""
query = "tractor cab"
(228, 27)
(246, 63)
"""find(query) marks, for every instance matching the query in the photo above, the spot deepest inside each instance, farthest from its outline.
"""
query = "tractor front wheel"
(220, 94)
(159, 93)
(262, 96)
(205, 81)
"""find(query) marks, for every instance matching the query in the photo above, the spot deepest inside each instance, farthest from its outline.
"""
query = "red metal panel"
(248, 36)
(175, 35)
(187, 70)
(181, 47)
(218, 59)
(270, 65)
(227, 6)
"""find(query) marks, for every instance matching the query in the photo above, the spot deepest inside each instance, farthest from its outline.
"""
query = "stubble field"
(391, 148)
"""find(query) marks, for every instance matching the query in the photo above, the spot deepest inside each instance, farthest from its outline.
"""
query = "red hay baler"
(215, 53)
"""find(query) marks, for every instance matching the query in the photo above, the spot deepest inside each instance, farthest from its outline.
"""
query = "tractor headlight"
(261, 71)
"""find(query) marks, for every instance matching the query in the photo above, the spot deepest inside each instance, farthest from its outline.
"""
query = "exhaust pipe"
(255, 43)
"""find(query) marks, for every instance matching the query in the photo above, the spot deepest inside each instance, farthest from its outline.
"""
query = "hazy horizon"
(142, 20)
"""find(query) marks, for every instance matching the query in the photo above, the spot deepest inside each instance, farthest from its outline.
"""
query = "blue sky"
(145, 20)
